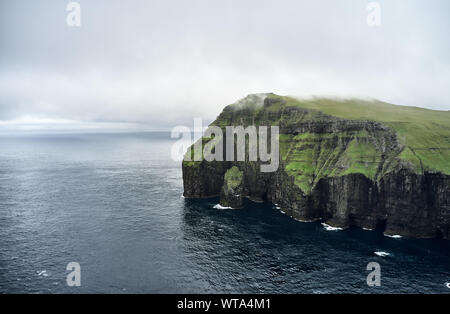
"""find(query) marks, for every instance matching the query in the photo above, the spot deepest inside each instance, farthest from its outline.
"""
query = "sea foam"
(395, 236)
(381, 253)
(218, 206)
(330, 228)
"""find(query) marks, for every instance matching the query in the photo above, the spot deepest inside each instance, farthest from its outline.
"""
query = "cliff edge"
(347, 162)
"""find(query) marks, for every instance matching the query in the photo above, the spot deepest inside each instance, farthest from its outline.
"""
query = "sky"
(159, 64)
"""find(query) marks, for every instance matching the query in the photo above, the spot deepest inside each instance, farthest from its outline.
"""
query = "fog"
(162, 63)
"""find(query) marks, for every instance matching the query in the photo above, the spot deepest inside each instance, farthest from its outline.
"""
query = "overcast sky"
(165, 62)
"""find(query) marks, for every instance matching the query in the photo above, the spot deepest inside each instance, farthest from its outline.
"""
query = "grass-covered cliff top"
(424, 132)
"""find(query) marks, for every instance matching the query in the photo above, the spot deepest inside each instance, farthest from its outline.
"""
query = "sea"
(112, 203)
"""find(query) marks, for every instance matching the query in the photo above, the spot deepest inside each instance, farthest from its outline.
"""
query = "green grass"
(309, 157)
(233, 177)
(423, 131)
(361, 157)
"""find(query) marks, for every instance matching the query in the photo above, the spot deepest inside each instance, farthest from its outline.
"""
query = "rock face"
(345, 172)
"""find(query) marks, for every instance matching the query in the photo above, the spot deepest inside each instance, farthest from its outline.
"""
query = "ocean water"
(112, 203)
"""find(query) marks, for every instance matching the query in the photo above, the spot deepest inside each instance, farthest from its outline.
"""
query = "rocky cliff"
(346, 162)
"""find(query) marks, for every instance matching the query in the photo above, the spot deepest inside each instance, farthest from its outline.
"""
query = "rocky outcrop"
(232, 189)
(341, 171)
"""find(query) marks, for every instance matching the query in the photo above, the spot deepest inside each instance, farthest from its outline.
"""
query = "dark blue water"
(113, 204)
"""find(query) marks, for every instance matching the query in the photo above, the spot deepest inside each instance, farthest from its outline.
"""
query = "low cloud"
(160, 64)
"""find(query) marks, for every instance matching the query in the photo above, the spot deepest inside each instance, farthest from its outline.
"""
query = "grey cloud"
(165, 62)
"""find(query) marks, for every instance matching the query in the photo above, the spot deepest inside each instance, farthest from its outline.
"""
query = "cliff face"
(347, 172)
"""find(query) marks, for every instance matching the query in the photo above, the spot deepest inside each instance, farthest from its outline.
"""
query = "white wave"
(304, 220)
(447, 284)
(42, 273)
(284, 213)
(367, 229)
(395, 236)
(218, 206)
(381, 253)
(330, 228)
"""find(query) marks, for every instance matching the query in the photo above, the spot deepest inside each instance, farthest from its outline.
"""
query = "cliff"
(346, 162)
